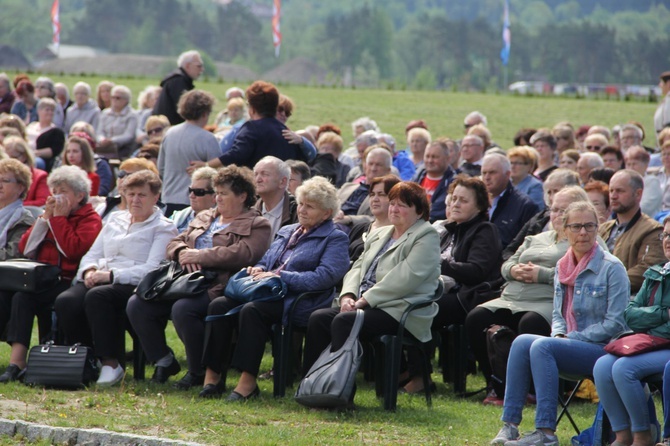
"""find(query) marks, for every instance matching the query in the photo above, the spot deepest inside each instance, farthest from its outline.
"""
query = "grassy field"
(159, 410)
(442, 111)
(147, 409)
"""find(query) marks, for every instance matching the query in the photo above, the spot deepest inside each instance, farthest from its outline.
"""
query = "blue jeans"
(620, 390)
(542, 358)
(666, 401)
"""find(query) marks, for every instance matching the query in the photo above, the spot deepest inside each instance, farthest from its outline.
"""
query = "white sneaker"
(110, 376)
(507, 433)
(536, 438)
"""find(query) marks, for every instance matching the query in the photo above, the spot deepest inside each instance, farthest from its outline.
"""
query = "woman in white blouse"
(131, 244)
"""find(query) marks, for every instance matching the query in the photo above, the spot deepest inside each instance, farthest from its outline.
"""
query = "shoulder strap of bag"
(355, 330)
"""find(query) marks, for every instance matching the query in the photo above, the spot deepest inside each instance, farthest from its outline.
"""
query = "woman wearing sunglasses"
(591, 292)
(200, 194)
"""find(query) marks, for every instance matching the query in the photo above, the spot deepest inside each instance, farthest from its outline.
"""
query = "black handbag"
(243, 288)
(329, 383)
(169, 282)
(28, 276)
(61, 366)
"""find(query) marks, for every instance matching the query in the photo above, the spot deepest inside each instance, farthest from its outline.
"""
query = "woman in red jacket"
(62, 235)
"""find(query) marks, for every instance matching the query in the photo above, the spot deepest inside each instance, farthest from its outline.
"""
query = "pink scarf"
(568, 270)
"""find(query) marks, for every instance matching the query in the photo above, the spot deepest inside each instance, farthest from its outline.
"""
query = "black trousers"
(450, 312)
(149, 320)
(254, 324)
(25, 306)
(95, 316)
(329, 326)
(480, 319)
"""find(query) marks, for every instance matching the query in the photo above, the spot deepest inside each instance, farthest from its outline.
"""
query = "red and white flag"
(276, 34)
(55, 24)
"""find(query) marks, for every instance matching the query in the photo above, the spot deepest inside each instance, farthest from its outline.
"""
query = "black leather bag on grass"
(169, 282)
(330, 381)
(61, 366)
(28, 276)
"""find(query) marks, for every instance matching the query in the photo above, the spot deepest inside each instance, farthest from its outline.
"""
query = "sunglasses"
(122, 173)
(156, 131)
(200, 192)
(593, 148)
(146, 156)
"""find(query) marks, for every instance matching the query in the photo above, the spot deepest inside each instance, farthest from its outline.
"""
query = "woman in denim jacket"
(618, 378)
(591, 292)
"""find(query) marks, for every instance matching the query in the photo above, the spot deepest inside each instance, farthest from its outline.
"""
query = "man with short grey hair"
(472, 119)
(472, 151)
(631, 135)
(176, 83)
(6, 96)
(271, 177)
(510, 209)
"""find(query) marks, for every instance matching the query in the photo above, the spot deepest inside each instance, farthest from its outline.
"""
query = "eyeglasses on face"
(146, 156)
(154, 131)
(518, 163)
(200, 192)
(663, 236)
(593, 148)
(577, 227)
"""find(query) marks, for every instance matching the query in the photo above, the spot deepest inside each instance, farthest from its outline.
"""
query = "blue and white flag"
(506, 36)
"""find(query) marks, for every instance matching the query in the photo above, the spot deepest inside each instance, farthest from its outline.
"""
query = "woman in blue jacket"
(591, 291)
(309, 255)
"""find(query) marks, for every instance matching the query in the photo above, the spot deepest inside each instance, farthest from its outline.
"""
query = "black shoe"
(213, 390)
(189, 380)
(161, 374)
(13, 373)
(235, 396)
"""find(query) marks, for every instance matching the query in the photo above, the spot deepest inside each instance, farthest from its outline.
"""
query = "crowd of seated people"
(108, 192)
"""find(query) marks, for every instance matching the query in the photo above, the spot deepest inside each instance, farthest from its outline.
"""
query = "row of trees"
(423, 43)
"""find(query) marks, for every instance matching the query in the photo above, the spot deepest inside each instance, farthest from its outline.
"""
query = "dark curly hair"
(475, 185)
(412, 195)
(240, 180)
(195, 104)
(264, 98)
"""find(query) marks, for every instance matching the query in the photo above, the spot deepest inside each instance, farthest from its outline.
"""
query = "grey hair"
(321, 191)
(476, 138)
(593, 160)
(600, 129)
(502, 161)
(636, 129)
(580, 206)
(574, 193)
(283, 169)
(83, 85)
(204, 173)
(475, 114)
(123, 90)
(4, 78)
(232, 90)
(46, 103)
(369, 137)
(63, 86)
(387, 139)
(43, 80)
(388, 158)
(187, 57)
(366, 123)
(566, 177)
(72, 176)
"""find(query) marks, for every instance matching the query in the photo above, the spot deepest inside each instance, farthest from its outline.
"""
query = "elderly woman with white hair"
(145, 107)
(44, 135)
(60, 236)
(117, 125)
(84, 107)
(46, 88)
(309, 255)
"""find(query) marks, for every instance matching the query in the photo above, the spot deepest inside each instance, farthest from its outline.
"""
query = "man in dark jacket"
(176, 83)
(510, 209)
(435, 178)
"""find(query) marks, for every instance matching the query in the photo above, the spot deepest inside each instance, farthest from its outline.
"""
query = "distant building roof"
(67, 52)
(12, 57)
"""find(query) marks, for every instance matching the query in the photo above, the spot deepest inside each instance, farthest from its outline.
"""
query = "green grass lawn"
(442, 111)
(148, 409)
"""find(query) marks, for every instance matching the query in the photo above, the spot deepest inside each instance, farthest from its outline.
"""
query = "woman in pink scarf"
(590, 296)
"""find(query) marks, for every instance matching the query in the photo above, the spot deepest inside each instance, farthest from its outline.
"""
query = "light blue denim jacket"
(602, 292)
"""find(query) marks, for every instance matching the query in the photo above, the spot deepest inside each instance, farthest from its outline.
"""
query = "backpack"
(499, 340)
(593, 436)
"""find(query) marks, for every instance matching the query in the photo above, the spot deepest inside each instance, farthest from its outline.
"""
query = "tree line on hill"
(417, 43)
